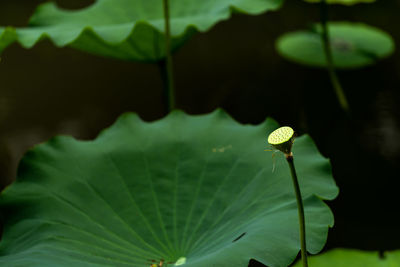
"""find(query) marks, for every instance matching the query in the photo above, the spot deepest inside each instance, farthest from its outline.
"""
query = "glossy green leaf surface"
(342, 2)
(129, 29)
(353, 45)
(194, 187)
(354, 258)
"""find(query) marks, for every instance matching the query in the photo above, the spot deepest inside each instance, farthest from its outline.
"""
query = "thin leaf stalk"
(300, 209)
(329, 58)
(169, 76)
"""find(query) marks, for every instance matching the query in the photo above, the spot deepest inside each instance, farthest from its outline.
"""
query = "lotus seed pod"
(282, 139)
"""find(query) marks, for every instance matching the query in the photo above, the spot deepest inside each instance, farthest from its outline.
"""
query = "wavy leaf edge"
(16, 32)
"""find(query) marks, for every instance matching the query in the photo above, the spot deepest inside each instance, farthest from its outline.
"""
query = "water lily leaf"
(354, 45)
(194, 189)
(129, 29)
(354, 258)
(342, 2)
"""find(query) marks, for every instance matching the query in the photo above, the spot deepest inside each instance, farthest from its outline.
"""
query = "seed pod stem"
(300, 209)
(282, 139)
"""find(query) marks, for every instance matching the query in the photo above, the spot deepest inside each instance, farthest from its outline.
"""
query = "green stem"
(300, 209)
(169, 79)
(162, 66)
(329, 59)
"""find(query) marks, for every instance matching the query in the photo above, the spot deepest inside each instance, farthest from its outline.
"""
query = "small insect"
(273, 157)
(162, 263)
(153, 264)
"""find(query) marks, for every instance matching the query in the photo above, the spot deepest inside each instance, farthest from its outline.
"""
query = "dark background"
(48, 91)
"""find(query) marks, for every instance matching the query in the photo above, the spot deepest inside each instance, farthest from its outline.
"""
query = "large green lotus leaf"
(194, 187)
(129, 29)
(354, 258)
(353, 45)
(342, 2)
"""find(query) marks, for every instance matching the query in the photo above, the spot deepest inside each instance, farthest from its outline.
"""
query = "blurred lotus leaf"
(342, 2)
(353, 45)
(128, 29)
(354, 258)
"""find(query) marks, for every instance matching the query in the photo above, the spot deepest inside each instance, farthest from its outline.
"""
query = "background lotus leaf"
(354, 258)
(128, 29)
(342, 2)
(353, 45)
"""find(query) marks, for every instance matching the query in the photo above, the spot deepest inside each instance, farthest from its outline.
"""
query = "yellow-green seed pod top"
(282, 139)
